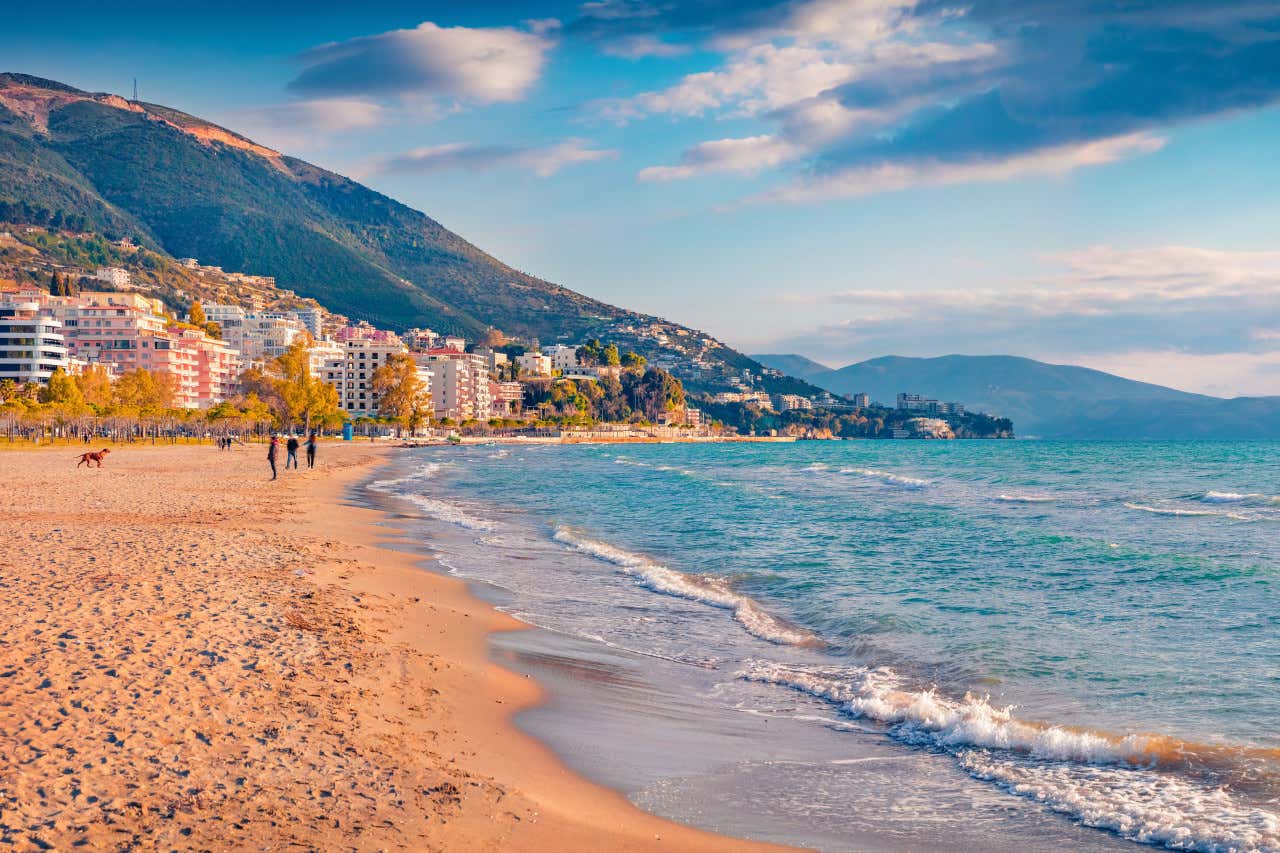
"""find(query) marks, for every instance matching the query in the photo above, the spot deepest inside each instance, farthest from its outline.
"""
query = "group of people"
(291, 448)
(225, 442)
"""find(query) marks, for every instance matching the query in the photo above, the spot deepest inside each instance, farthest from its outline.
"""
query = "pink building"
(125, 332)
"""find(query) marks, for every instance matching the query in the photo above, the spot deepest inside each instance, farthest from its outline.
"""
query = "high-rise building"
(31, 343)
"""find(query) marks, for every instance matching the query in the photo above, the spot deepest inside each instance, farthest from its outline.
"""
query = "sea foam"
(1182, 512)
(438, 509)
(888, 478)
(1026, 499)
(707, 589)
(1103, 780)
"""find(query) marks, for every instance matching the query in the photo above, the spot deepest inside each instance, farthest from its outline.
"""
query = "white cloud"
(900, 175)
(486, 65)
(1234, 374)
(1150, 313)
(542, 161)
(747, 155)
(642, 46)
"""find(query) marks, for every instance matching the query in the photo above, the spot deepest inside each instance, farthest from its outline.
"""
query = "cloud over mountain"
(878, 95)
(486, 65)
(542, 161)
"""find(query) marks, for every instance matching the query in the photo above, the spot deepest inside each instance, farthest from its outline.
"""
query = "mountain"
(186, 187)
(1053, 400)
(799, 366)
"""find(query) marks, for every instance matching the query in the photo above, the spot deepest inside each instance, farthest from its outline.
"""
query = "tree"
(401, 393)
(143, 393)
(195, 316)
(288, 387)
(610, 357)
(62, 392)
(633, 361)
(213, 330)
(8, 390)
(95, 387)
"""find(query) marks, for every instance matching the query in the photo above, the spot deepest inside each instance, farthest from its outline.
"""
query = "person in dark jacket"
(311, 450)
(292, 447)
(272, 452)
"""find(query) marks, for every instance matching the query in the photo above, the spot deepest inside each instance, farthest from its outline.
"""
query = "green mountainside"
(188, 188)
(1052, 400)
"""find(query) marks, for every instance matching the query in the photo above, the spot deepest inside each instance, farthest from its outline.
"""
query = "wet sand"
(194, 657)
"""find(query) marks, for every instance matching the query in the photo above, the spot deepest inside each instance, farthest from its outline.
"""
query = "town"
(254, 356)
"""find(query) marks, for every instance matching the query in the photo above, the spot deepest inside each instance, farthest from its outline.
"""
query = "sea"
(885, 645)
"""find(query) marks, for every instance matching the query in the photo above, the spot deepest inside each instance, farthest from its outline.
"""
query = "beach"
(196, 657)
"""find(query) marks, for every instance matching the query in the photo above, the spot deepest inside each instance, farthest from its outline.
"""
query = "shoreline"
(326, 689)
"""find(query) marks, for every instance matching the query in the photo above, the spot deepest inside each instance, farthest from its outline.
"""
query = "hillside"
(185, 187)
(1054, 401)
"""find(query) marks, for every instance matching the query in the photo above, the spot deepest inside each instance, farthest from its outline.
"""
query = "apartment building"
(564, 358)
(460, 387)
(534, 364)
(352, 374)
(259, 335)
(793, 402)
(114, 276)
(32, 346)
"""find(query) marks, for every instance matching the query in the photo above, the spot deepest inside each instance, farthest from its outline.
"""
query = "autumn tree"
(294, 395)
(62, 392)
(195, 316)
(401, 392)
(95, 387)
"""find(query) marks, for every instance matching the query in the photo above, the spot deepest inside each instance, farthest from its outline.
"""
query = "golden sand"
(193, 657)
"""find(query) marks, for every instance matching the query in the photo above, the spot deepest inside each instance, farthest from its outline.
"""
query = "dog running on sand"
(90, 458)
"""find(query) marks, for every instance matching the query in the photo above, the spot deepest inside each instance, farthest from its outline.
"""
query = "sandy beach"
(194, 657)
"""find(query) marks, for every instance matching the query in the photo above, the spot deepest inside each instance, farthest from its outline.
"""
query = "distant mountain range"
(1048, 400)
(186, 187)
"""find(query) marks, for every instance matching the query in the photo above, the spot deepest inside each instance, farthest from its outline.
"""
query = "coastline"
(199, 657)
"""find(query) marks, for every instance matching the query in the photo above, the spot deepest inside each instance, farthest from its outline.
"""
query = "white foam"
(1026, 499)
(438, 509)
(929, 717)
(1142, 806)
(707, 589)
(888, 478)
(1236, 498)
(1180, 512)
(422, 472)
(1104, 782)
(453, 514)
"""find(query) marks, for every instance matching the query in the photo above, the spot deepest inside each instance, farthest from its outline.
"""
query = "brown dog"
(90, 458)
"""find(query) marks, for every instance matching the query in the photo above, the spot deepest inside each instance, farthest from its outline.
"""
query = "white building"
(114, 276)
(460, 387)
(352, 374)
(920, 403)
(311, 320)
(793, 402)
(564, 358)
(31, 342)
(259, 336)
(534, 364)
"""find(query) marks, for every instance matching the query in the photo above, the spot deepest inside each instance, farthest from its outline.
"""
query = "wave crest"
(707, 589)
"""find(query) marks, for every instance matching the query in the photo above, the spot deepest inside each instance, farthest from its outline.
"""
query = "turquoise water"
(1092, 627)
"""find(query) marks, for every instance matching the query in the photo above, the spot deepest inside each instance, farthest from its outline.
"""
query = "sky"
(1080, 182)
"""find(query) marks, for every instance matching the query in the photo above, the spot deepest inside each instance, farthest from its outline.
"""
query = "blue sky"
(1080, 182)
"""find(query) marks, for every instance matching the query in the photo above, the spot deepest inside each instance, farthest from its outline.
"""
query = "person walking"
(292, 447)
(311, 450)
(272, 452)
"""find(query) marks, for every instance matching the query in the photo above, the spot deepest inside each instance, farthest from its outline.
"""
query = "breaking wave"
(888, 478)
(1142, 787)
(437, 509)
(1026, 499)
(1182, 512)
(707, 589)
